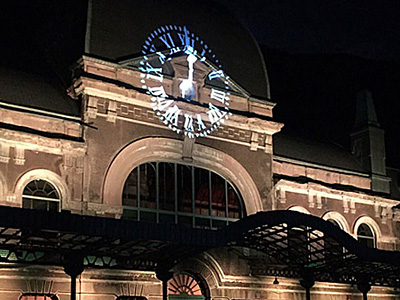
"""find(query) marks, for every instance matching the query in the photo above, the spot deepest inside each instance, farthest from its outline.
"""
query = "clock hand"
(188, 83)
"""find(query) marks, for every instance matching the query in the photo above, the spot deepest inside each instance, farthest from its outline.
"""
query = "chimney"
(368, 143)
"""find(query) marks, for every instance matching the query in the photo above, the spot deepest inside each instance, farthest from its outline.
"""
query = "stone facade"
(88, 159)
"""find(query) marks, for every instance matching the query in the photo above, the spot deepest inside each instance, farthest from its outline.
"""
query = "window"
(366, 236)
(165, 192)
(38, 297)
(332, 248)
(131, 298)
(184, 287)
(42, 195)
(334, 222)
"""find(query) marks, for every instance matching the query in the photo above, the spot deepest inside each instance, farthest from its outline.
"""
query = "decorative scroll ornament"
(159, 49)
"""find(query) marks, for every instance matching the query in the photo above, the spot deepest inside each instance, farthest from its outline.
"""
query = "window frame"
(212, 220)
(367, 238)
(47, 199)
(38, 296)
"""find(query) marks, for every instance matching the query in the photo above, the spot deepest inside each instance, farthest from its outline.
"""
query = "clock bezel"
(191, 125)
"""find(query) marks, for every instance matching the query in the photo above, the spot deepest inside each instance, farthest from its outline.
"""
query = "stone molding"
(150, 149)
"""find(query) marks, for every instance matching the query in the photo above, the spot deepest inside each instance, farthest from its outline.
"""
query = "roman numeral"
(158, 91)
(172, 115)
(167, 40)
(188, 125)
(215, 114)
(215, 74)
(161, 57)
(218, 95)
(200, 123)
(152, 48)
(162, 104)
(187, 42)
(150, 69)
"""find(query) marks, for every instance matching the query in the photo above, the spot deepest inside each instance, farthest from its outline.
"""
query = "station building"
(211, 201)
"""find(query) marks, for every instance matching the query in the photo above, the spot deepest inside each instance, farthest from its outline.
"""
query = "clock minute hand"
(188, 83)
(191, 59)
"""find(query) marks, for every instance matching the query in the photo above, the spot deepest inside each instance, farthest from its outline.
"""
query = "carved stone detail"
(268, 143)
(346, 208)
(311, 200)
(319, 201)
(112, 111)
(92, 108)
(352, 206)
(281, 195)
(254, 141)
(4, 153)
(384, 214)
(19, 156)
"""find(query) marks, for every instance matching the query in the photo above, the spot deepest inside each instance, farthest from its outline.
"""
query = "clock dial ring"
(160, 47)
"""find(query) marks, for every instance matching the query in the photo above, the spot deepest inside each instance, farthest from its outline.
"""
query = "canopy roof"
(290, 243)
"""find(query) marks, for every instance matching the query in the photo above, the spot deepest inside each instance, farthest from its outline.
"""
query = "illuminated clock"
(160, 49)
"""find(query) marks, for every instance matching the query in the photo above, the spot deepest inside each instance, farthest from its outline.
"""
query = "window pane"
(365, 236)
(334, 222)
(37, 193)
(180, 188)
(148, 187)
(130, 193)
(202, 192)
(218, 223)
(166, 175)
(26, 203)
(202, 222)
(218, 196)
(38, 297)
(234, 207)
(184, 188)
(185, 220)
(148, 216)
(166, 219)
(49, 191)
(130, 214)
(52, 205)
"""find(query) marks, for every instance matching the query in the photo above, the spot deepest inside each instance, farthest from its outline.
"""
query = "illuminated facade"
(103, 151)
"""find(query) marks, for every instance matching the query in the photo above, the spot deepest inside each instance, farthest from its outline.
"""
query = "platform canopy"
(283, 243)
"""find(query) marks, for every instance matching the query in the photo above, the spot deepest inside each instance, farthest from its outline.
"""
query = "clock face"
(161, 47)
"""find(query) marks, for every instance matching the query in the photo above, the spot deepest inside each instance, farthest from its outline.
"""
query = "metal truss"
(285, 243)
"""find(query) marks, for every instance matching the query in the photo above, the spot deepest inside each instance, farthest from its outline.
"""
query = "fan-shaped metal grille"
(184, 284)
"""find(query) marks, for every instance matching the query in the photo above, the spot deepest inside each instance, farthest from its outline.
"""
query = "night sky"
(319, 55)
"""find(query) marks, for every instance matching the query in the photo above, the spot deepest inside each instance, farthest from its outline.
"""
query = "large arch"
(170, 150)
(3, 187)
(43, 174)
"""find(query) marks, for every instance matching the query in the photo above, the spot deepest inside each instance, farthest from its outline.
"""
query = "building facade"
(127, 141)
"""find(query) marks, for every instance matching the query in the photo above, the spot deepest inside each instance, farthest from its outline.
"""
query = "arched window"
(332, 248)
(33, 296)
(165, 192)
(131, 298)
(366, 236)
(184, 287)
(41, 194)
(334, 222)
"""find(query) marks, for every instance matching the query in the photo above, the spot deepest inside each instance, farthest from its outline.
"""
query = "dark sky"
(320, 54)
(368, 28)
